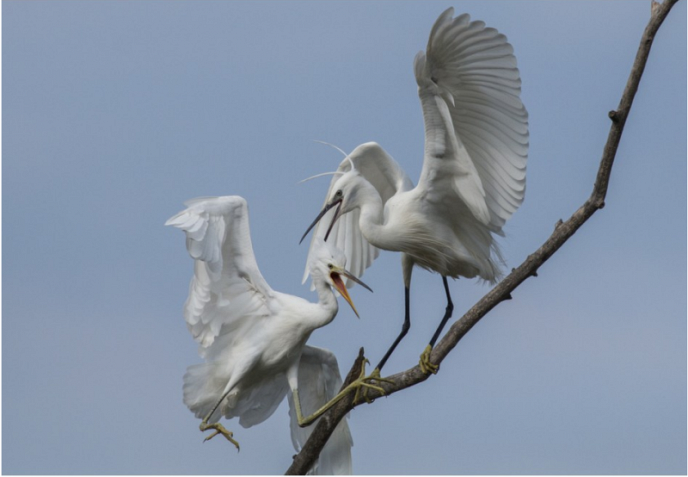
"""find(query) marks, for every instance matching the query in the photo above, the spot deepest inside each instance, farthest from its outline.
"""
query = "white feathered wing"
(227, 287)
(228, 297)
(388, 178)
(320, 381)
(476, 127)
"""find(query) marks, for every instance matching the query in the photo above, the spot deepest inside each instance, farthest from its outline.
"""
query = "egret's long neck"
(371, 220)
(327, 304)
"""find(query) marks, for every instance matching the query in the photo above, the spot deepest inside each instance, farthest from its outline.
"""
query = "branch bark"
(562, 232)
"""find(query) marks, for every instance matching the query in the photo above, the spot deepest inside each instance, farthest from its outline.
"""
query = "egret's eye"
(338, 194)
(330, 266)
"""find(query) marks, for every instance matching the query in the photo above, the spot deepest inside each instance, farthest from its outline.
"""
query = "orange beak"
(336, 276)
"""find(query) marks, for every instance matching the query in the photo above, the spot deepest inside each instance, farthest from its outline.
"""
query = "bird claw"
(219, 429)
(425, 365)
(364, 383)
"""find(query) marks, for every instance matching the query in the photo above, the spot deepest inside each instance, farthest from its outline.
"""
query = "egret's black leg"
(425, 363)
(404, 329)
(447, 313)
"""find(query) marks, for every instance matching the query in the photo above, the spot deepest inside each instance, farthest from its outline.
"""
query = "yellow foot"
(425, 365)
(365, 383)
(362, 382)
(219, 429)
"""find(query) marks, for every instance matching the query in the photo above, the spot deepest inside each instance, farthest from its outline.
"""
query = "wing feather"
(320, 381)
(472, 71)
(227, 285)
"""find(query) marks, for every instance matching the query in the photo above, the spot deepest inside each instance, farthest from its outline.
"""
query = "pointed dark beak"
(320, 216)
(351, 277)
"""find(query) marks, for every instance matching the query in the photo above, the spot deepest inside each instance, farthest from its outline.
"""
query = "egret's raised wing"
(476, 127)
(227, 287)
(320, 381)
(384, 173)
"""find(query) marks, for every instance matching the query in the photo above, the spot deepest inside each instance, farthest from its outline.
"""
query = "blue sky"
(114, 113)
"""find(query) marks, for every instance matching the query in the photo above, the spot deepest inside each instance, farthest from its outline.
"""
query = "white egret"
(251, 336)
(473, 176)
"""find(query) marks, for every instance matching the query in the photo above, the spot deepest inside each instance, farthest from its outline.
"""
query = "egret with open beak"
(336, 274)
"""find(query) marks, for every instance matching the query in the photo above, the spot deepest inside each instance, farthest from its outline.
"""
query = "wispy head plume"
(332, 146)
(320, 175)
(325, 173)
(353, 167)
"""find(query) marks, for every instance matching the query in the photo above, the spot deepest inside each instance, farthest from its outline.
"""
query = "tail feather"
(259, 401)
(203, 386)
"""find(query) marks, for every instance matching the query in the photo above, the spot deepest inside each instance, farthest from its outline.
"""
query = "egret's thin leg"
(219, 428)
(404, 329)
(361, 382)
(425, 365)
(447, 313)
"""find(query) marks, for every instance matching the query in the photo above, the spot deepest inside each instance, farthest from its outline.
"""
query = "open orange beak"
(336, 276)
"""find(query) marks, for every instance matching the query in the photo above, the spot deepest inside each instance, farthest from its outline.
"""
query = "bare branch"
(562, 232)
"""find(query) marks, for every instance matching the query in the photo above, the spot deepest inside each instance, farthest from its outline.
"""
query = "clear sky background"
(114, 113)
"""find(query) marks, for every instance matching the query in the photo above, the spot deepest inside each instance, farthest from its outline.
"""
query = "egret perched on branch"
(473, 176)
(251, 336)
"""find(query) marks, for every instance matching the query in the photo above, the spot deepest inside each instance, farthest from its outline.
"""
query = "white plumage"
(252, 337)
(474, 167)
(319, 381)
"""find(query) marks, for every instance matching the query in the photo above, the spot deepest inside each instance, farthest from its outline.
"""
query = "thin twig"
(562, 232)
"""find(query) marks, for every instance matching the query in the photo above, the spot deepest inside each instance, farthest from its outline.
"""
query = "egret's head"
(326, 262)
(344, 196)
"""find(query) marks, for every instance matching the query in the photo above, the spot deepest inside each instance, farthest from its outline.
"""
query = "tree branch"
(562, 232)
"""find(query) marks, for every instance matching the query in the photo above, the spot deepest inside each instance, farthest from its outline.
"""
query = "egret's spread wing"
(320, 381)
(476, 127)
(227, 287)
(384, 173)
